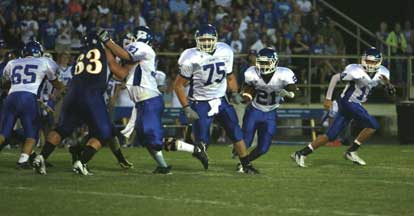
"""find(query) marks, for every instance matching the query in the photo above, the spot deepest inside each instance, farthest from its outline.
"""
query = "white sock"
(357, 142)
(310, 146)
(23, 158)
(183, 146)
(160, 159)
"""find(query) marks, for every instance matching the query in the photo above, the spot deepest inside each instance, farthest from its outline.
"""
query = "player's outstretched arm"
(332, 84)
(389, 88)
(119, 71)
(115, 48)
(179, 84)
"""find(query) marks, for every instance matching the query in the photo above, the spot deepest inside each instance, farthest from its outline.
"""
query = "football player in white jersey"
(264, 87)
(361, 78)
(208, 68)
(143, 90)
(26, 75)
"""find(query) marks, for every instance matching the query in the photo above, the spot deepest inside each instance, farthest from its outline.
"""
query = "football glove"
(190, 114)
(284, 93)
(390, 89)
(104, 36)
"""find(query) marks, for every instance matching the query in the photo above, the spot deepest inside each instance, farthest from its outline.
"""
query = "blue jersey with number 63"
(207, 72)
(27, 74)
(91, 71)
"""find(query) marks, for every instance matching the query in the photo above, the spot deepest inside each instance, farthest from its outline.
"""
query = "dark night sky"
(371, 12)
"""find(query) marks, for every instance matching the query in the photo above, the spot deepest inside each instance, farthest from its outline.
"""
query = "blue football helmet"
(144, 34)
(32, 48)
(127, 39)
(371, 60)
(206, 38)
(90, 39)
(266, 61)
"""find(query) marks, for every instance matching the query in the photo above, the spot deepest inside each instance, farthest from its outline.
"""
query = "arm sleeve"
(185, 65)
(138, 53)
(160, 78)
(334, 80)
(51, 70)
(290, 78)
(7, 71)
(229, 62)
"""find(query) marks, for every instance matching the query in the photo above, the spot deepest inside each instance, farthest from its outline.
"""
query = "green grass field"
(329, 186)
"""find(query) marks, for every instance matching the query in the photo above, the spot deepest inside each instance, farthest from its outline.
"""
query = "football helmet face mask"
(127, 39)
(371, 60)
(32, 48)
(266, 61)
(206, 38)
(144, 34)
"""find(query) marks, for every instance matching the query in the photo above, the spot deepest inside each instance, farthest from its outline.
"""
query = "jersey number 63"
(93, 66)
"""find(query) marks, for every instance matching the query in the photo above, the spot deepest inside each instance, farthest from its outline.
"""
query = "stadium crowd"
(290, 26)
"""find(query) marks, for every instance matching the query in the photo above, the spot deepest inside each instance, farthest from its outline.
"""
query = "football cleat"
(81, 169)
(353, 156)
(39, 164)
(75, 153)
(234, 154)
(298, 158)
(201, 154)
(24, 165)
(239, 168)
(126, 164)
(162, 170)
(249, 169)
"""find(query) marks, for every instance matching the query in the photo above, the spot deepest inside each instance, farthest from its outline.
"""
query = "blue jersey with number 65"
(91, 71)
(27, 74)
(207, 72)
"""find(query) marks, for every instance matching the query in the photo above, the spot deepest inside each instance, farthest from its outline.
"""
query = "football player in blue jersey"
(361, 78)
(208, 68)
(264, 86)
(26, 75)
(83, 104)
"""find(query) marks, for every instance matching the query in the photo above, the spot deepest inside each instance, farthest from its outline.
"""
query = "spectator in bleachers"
(235, 43)
(11, 33)
(261, 43)
(396, 40)
(382, 34)
(49, 32)
(332, 31)
(250, 35)
(63, 40)
(409, 36)
(74, 7)
(42, 11)
(299, 47)
(304, 5)
(29, 27)
(178, 6)
(282, 46)
(283, 7)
